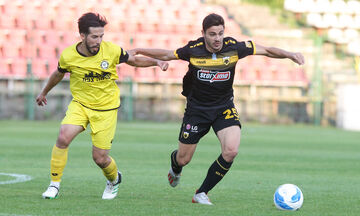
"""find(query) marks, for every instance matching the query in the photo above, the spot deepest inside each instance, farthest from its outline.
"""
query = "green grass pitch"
(323, 162)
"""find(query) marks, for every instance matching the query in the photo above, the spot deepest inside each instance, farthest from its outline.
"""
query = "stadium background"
(33, 34)
(322, 161)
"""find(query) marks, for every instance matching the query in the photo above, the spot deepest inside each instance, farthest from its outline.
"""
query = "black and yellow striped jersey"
(92, 78)
(210, 77)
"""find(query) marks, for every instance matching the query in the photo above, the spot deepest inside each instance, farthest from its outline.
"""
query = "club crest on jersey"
(226, 60)
(104, 64)
(213, 76)
(185, 135)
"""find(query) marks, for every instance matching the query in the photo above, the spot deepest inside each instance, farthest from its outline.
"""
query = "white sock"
(116, 180)
(56, 184)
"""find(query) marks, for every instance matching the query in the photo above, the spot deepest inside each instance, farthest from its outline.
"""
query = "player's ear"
(82, 36)
(203, 33)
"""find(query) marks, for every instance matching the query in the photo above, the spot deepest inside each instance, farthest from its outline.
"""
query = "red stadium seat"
(176, 71)
(143, 40)
(45, 51)
(145, 74)
(13, 67)
(41, 67)
(283, 74)
(12, 50)
(267, 74)
(125, 71)
(300, 76)
(7, 22)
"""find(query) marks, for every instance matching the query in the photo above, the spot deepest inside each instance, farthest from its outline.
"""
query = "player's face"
(214, 37)
(93, 39)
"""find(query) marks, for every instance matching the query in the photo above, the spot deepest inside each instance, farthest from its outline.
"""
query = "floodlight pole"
(317, 81)
(29, 91)
(129, 100)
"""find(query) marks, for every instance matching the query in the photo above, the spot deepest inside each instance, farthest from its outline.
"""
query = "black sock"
(174, 165)
(215, 173)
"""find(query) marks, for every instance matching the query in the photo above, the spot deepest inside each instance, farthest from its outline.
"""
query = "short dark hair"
(90, 20)
(212, 20)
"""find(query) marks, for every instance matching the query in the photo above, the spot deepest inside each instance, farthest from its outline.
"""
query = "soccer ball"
(288, 197)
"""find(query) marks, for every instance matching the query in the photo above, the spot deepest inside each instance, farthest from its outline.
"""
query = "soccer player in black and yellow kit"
(96, 99)
(208, 88)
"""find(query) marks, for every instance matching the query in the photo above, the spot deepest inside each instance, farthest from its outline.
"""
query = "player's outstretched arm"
(161, 54)
(274, 52)
(140, 61)
(54, 79)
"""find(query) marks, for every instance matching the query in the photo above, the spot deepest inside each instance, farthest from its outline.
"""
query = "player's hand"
(298, 58)
(41, 100)
(163, 65)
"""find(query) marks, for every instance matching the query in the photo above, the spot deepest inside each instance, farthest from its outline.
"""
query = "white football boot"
(173, 178)
(201, 198)
(111, 188)
(52, 191)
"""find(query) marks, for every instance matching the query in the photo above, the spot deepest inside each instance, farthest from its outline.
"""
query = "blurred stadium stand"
(39, 30)
(331, 63)
(339, 18)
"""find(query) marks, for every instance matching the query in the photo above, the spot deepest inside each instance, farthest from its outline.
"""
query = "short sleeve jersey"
(210, 76)
(92, 78)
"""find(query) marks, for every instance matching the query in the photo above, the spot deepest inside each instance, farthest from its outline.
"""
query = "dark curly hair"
(90, 20)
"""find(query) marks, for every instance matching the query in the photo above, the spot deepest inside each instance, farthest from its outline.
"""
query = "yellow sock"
(110, 172)
(58, 162)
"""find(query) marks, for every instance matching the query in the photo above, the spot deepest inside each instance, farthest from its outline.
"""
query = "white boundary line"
(4, 214)
(18, 178)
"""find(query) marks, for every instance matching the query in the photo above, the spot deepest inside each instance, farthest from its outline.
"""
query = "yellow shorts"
(102, 123)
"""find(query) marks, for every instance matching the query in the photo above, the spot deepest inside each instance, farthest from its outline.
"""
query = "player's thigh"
(227, 127)
(229, 138)
(103, 127)
(74, 122)
(196, 124)
(76, 115)
(67, 133)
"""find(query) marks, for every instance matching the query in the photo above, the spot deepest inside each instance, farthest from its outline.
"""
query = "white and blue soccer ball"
(288, 197)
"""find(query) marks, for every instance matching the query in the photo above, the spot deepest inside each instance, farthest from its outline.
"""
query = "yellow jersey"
(92, 78)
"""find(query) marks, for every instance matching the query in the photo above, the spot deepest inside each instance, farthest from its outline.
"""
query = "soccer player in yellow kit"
(96, 99)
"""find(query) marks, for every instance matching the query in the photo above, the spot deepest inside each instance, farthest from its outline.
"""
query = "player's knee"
(230, 154)
(100, 161)
(63, 141)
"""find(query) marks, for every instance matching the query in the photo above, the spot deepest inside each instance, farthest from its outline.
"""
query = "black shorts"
(198, 120)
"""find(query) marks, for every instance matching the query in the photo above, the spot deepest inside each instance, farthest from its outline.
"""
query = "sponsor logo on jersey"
(104, 64)
(188, 126)
(194, 129)
(213, 76)
(185, 135)
(95, 77)
(201, 61)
